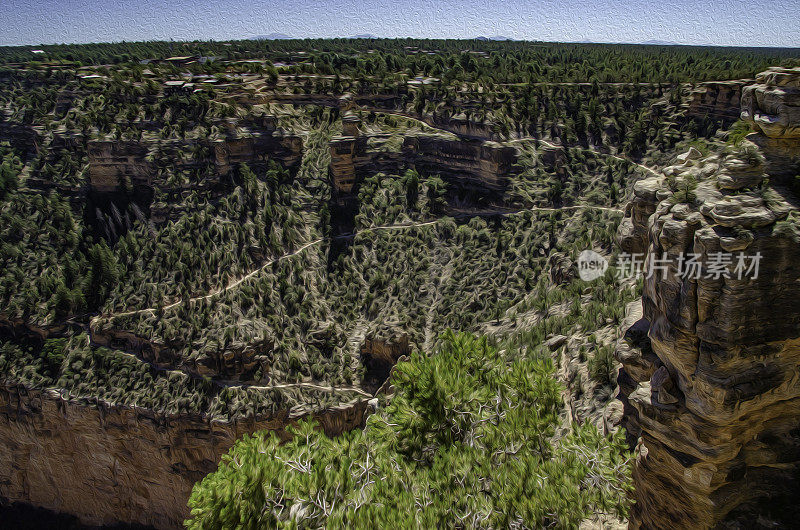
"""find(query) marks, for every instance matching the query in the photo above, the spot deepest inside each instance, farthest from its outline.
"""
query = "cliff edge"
(712, 389)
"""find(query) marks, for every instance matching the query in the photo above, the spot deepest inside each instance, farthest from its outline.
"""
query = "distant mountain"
(493, 37)
(271, 36)
(364, 36)
(656, 42)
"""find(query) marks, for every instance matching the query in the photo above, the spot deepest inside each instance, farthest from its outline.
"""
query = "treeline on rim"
(469, 60)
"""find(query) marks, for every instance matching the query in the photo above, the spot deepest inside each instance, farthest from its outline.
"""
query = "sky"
(726, 22)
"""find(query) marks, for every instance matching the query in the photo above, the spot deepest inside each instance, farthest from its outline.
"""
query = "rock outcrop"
(466, 164)
(120, 170)
(714, 388)
(482, 165)
(108, 464)
(342, 168)
(379, 355)
(772, 107)
(633, 228)
(237, 362)
(718, 100)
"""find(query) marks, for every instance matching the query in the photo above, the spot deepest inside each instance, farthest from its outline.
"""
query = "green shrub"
(737, 132)
(467, 440)
(685, 190)
(601, 365)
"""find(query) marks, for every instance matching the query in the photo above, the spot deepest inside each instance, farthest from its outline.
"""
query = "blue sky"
(731, 22)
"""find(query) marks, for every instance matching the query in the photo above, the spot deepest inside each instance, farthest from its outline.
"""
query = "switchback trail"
(617, 157)
(315, 242)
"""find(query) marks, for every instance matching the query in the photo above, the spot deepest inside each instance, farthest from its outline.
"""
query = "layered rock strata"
(478, 165)
(117, 165)
(714, 388)
(237, 362)
(772, 107)
(718, 100)
(107, 464)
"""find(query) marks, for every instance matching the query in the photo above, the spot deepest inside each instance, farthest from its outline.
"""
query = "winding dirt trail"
(617, 157)
(402, 226)
(427, 124)
(254, 272)
(219, 290)
(314, 386)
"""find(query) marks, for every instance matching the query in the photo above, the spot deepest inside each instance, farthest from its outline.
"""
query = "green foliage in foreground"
(469, 439)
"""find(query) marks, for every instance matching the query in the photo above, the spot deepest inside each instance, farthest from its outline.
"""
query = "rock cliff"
(123, 170)
(713, 389)
(718, 100)
(238, 362)
(108, 464)
(772, 106)
(466, 164)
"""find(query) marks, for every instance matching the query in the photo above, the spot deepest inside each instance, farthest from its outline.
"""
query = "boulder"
(555, 342)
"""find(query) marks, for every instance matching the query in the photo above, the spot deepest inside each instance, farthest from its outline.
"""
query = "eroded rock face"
(342, 168)
(716, 99)
(772, 107)
(125, 167)
(237, 362)
(632, 231)
(111, 163)
(379, 355)
(485, 165)
(477, 165)
(715, 391)
(108, 464)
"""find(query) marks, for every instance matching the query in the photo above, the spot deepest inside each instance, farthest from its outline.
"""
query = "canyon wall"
(124, 165)
(238, 362)
(112, 164)
(468, 164)
(710, 374)
(483, 165)
(718, 100)
(107, 464)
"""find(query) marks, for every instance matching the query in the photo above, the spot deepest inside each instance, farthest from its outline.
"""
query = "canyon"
(707, 380)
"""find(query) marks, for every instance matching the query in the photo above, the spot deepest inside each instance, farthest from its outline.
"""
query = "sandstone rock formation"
(108, 464)
(111, 163)
(718, 100)
(633, 228)
(485, 165)
(122, 170)
(477, 165)
(772, 106)
(237, 362)
(342, 168)
(714, 390)
(379, 355)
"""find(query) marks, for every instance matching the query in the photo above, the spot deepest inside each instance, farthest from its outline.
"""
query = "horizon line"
(480, 38)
